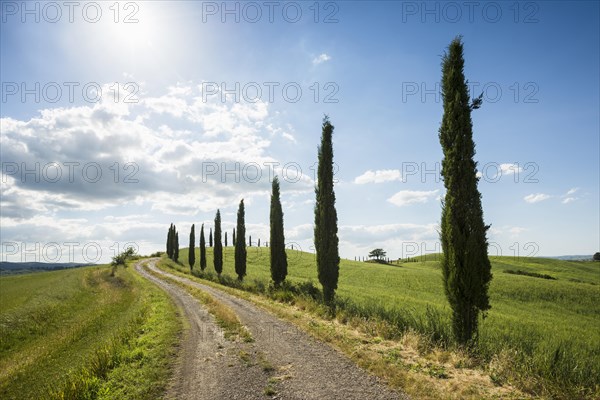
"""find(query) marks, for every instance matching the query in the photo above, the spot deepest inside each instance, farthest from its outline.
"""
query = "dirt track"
(304, 368)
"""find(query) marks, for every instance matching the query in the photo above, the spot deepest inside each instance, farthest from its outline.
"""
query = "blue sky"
(182, 146)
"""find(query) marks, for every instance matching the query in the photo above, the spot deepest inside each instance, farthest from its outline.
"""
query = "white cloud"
(287, 134)
(413, 230)
(169, 139)
(303, 231)
(516, 230)
(289, 137)
(568, 198)
(321, 59)
(495, 231)
(510, 169)
(379, 176)
(512, 230)
(405, 197)
(52, 239)
(494, 171)
(170, 154)
(536, 197)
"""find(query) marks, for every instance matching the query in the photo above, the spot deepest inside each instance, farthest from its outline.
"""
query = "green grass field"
(80, 333)
(541, 334)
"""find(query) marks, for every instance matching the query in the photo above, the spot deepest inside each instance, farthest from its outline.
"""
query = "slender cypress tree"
(276, 238)
(176, 250)
(174, 243)
(225, 239)
(240, 246)
(210, 238)
(465, 265)
(202, 249)
(170, 242)
(326, 239)
(233, 241)
(192, 249)
(218, 251)
(250, 241)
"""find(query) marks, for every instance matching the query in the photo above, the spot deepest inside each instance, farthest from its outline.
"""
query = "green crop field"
(546, 331)
(80, 333)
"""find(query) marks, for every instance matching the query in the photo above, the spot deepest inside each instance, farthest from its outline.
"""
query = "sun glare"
(135, 25)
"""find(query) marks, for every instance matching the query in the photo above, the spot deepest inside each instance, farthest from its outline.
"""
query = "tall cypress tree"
(326, 239)
(276, 238)
(233, 241)
(202, 249)
(250, 241)
(210, 238)
(240, 245)
(176, 250)
(465, 265)
(192, 249)
(218, 251)
(170, 242)
(174, 243)
(225, 239)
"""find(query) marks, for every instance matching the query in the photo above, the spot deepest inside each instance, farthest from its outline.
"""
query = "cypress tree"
(465, 265)
(240, 246)
(174, 230)
(218, 251)
(202, 249)
(225, 239)
(258, 244)
(210, 238)
(192, 249)
(176, 250)
(170, 242)
(276, 238)
(174, 242)
(326, 239)
(233, 241)
(250, 241)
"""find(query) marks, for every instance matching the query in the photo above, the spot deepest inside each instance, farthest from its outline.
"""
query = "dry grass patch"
(226, 318)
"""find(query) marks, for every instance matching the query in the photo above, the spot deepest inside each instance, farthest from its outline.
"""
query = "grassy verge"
(541, 335)
(82, 334)
(225, 316)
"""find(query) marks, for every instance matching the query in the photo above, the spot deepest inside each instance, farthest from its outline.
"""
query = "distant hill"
(438, 256)
(573, 258)
(7, 267)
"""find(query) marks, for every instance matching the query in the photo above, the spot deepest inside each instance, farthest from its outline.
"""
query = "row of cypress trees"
(277, 241)
(466, 269)
(325, 234)
(173, 243)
